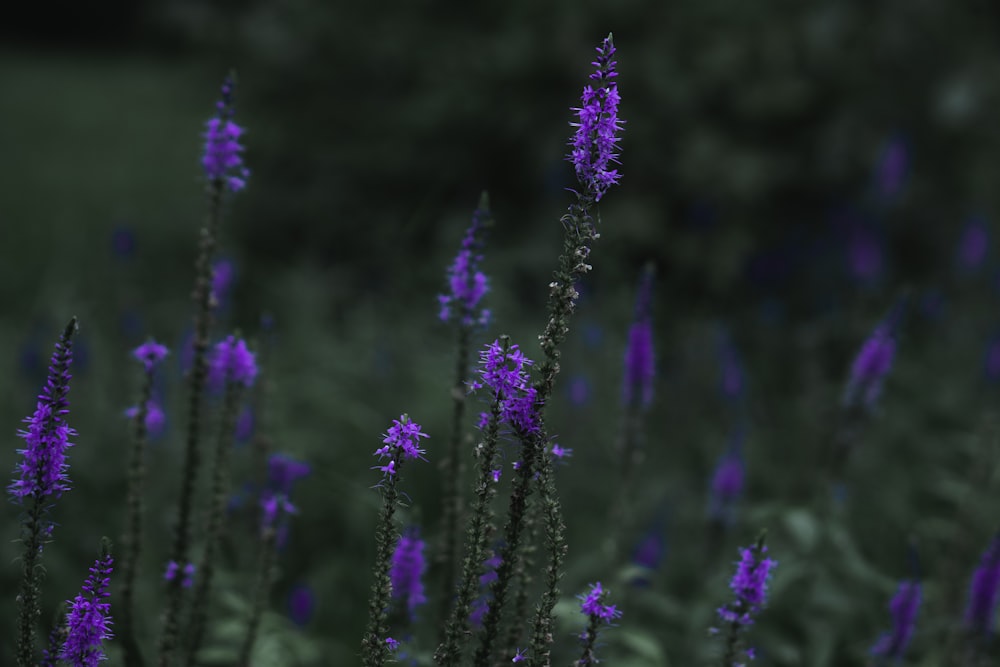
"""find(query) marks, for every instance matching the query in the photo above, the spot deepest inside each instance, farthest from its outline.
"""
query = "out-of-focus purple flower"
(592, 604)
(222, 159)
(150, 354)
(579, 390)
(865, 255)
(156, 418)
(649, 553)
(188, 572)
(983, 592)
(506, 374)
(559, 452)
(274, 508)
(893, 167)
(392, 644)
(43, 471)
(466, 283)
(520, 655)
(595, 143)
(231, 361)
(283, 471)
(640, 362)
(245, 425)
(872, 363)
(301, 604)
(973, 245)
(223, 275)
(731, 377)
(903, 608)
(749, 584)
(123, 242)
(88, 621)
(728, 482)
(407, 571)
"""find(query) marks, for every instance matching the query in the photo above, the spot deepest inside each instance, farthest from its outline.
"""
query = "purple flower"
(520, 655)
(88, 622)
(727, 484)
(222, 159)
(403, 437)
(43, 470)
(275, 506)
(594, 145)
(983, 591)
(506, 374)
(864, 255)
(223, 273)
(150, 354)
(392, 644)
(301, 604)
(231, 361)
(592, 604)
(466, 283)
(731, 379)
(283, 471)
(903, 608)
(407, 571)
(156, 419)
(640, 364)
(750, 586)
(173, 568)
(649, 552)
(973, 245)
(871, 366)
(893, 166)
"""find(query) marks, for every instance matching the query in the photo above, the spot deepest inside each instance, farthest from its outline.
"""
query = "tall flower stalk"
(88, 621)
(401, 443)
(41, 478)
(503, 370)
(466, 287)
(233, 366)
(224, 171)
(598, 614)
(149, 354)
(749, 586)
(594, 149)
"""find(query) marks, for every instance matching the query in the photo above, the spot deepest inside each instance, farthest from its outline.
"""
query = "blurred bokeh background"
(792, 169)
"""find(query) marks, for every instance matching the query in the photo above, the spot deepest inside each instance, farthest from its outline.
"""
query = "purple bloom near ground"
(407, 571)
(594, 145)
(983, 592)
(903, 608)
(88, 621)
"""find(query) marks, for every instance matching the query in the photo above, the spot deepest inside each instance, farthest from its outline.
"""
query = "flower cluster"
(88, 621)
(150, 354)
(43, 470)
(640, 364)
(407, 571)
(592, 604)
(750, 586)
(231, 361)
(505, 371)
(466, 283)
(903, 608)
(983, 591)
(222, 159)
(595, 142)
(401, 441)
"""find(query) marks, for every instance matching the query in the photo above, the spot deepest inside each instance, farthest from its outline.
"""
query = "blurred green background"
(791, 168)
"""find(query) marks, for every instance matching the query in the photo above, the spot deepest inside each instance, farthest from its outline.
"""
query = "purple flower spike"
(983, 592)
(592, 604)
(640, 364)
(506, 374)
(222, 159)
(407, 571)
(903, 608)
(231, 361)
(150, 354)
(43, 471)
(595, 142)
(750, 586)
(88, 621)
(466, 283)
(873, 363)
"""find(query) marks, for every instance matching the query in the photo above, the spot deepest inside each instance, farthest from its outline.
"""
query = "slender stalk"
(456, 631)
(216, 516)
(192, 456)
(374, 649)
(588, 657)
(262, 586)
(133, 531)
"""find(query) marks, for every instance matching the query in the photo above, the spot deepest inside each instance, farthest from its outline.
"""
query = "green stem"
(374, 650)
(262, 586)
